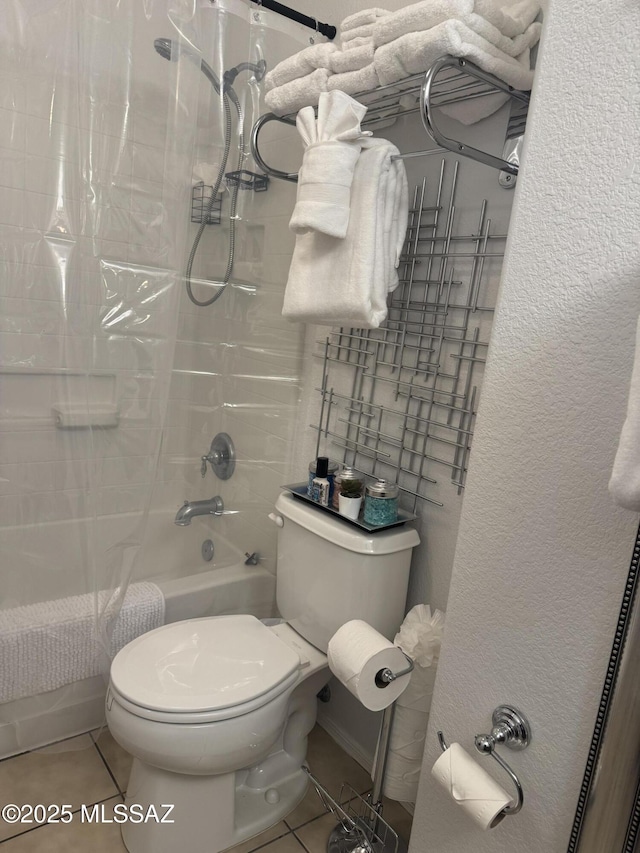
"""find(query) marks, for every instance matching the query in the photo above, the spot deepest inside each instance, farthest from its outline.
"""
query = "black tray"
(299, 491)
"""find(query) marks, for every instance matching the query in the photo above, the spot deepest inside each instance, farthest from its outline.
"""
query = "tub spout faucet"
(190, 509)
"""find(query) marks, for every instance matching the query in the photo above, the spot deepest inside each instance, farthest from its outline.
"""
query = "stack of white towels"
(350, 219)
(378, 47)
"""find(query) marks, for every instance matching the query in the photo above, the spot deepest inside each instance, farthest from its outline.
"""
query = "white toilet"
(216, 711)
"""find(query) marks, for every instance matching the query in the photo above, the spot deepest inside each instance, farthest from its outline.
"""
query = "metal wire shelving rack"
(447, 82)
(400, 401)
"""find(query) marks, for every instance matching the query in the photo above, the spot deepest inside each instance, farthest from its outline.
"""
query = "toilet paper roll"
(356, 654)
(471, 787)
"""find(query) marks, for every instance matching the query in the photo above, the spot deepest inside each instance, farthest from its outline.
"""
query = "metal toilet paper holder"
(368, 832)
(511, 728)
(385, 676)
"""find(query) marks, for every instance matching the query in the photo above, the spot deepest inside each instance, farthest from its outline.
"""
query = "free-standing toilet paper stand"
(511, 728)
(361, 827)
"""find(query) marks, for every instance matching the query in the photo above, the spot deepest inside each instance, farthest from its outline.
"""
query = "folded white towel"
(353, 82)
(419, 16)
(332, 143)
(360, 41)
(299, 93)
(365, 31)
(346, 282)
(511, 17)
(430, 13)
(300, 65)
(352, 60)
(416, 52)
(624, 485)
(364, 16)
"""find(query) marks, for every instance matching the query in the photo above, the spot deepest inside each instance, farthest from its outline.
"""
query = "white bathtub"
(171, 557)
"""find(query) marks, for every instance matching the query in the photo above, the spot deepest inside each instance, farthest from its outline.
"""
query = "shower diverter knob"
(221, 457)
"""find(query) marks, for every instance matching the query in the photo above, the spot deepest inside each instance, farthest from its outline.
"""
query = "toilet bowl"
(216, 711)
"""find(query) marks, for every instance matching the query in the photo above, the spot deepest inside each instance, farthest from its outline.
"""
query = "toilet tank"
(329, 572)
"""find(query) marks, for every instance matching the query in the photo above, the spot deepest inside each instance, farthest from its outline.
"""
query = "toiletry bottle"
(321, 486)
(333, 468)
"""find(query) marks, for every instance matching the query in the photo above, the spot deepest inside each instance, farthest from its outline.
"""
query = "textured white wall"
(542, 551)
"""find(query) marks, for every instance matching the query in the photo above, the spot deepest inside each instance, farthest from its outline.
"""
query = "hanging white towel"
(416, 52)
(44, 646)
(300, 65)
(299, 93)
(624, 485)
(346, 282)
(332, 143)
(430, 13)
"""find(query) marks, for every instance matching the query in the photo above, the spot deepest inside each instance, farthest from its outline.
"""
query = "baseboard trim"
(345, 741)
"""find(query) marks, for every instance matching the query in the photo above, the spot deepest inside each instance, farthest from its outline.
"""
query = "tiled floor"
(94, 769)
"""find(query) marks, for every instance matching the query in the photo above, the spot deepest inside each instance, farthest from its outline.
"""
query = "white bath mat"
(44, 646)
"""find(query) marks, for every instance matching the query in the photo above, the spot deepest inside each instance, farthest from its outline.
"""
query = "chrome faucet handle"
(221, 457)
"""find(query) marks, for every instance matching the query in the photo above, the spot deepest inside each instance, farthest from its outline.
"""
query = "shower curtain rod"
(327, 30)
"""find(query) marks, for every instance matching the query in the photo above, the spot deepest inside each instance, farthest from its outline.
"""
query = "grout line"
(110, 772)
(301, 843)
(266, 843)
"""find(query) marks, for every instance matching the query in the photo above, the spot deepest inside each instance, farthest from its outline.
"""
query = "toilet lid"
(202, 664)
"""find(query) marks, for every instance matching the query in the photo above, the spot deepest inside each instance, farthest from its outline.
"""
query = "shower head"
(171, 51)
(165, 48)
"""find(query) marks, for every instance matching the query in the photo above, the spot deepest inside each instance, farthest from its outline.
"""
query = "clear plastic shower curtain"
(98, 139)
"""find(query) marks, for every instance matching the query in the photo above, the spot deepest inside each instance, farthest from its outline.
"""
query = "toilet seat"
(203, 670)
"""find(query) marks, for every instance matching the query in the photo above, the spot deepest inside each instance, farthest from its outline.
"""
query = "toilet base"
(210, 813)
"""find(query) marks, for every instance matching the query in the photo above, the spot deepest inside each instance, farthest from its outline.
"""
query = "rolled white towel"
(429, 13)
(416, 52)
(352, 60)
(303, 92)
(364, 16)
(365, 31)
(332, 142)
(301, 64)
(511, 17)
(352, 82)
